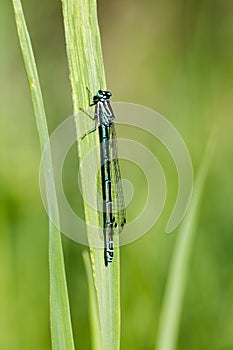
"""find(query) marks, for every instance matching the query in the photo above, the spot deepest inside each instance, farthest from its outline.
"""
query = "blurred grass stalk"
(61, 330)
(87, 71)
(179, 266)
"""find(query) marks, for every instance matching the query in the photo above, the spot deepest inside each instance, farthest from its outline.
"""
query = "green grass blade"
(61, 331)
(94, 312)
(175, 288)
(87, 70)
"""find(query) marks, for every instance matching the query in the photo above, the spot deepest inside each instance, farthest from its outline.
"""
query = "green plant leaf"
(61, 331)
(87, 70)
(94, 311)
(179, 265)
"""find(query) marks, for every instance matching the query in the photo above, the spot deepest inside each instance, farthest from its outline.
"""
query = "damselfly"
(113, 208)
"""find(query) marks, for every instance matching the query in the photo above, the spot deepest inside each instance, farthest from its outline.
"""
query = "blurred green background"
(175, 57)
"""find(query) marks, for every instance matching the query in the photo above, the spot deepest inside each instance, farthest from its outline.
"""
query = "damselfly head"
(102, 96)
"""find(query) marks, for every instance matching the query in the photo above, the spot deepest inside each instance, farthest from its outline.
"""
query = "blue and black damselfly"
(113, 207)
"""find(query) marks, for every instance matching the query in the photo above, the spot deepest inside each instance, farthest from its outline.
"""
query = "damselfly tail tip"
(108, 256)
(105, 257)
